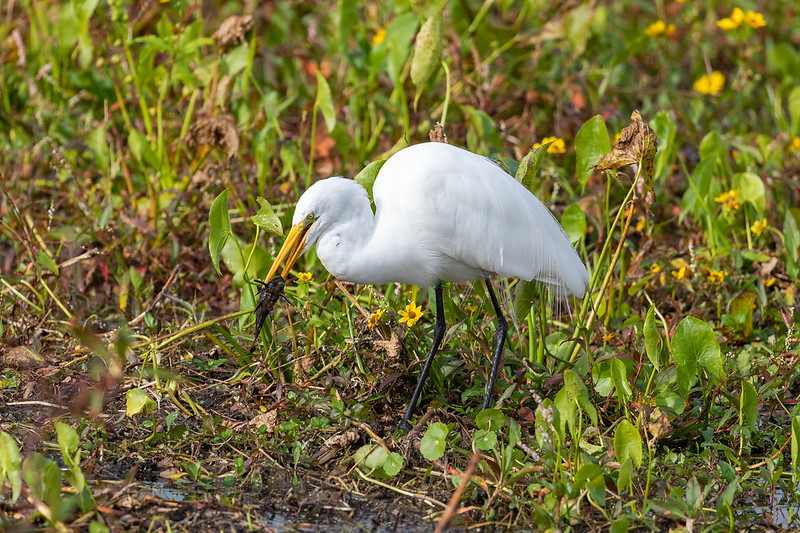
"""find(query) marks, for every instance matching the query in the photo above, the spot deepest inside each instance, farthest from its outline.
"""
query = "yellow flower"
(657, 274)
(679, 274)
(729, 198)
(188, 356)
(558, 146)
(716, 276)
(640, 223)
(304, 276)
(758, 226)
(411, 314)
(654, 268)
(379, 37)
(374, 318)
(712, 84)
(727, 24)
(770, 282)
(795, 144)
(754, 19)
(658, 28)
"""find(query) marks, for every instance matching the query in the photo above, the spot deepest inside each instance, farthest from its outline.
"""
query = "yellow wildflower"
(472, 308)
(374, 318)
(188, 356)
(729, 198)
(795, 144)
(759, 226)
(304, 276)
(710, 84)
(679, 274)
(770, 282)
(379, 37)
(754, 19)
(657, 274)
(640, 224)
(558, 146)
(732, 22)
(716, 276)
(411, 314)
(659, 28)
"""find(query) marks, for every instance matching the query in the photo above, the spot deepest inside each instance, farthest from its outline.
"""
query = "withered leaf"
(437, 134)
(215, 130)
(637, 144)
(232, 30)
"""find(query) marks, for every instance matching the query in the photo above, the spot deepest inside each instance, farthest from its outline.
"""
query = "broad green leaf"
(45, 261)
(529, 166)
(695, 345)
(618, 526)
(576, 387)
(366, 178)
(625, 474)
(434, 441)
(220, 224)
(484, 439)
(375, 459)
(601, 378)
(137, 401)
(573, 220)
(652, 338)
(68, 440)
(10, 464)
(725, 499)
(398, 44)
(427, 50)
(43, 478)
(393, 464)
(591, 143)
(490, 419)
(234, 259)
(694, 494)
(526, 293)
(324, 102)
(741, 308)
(748, 405)
(751, 190)
(567, 407)
(591, 477)
(628, 443)
(266, 218)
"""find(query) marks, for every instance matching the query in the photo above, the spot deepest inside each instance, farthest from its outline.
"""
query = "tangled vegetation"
(151, 153)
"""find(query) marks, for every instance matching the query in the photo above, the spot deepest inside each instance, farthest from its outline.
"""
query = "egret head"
(320, 206)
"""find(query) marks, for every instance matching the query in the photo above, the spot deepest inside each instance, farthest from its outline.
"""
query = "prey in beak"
(272, 290)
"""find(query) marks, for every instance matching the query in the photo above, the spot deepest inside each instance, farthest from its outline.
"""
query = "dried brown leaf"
(215, 130)
(232, 30)
(437, 134)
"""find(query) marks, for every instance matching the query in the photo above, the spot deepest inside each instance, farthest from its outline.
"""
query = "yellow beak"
(292, 248)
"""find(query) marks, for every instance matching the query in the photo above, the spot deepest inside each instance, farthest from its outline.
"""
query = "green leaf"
(398, 44)
(573, 220)
(45, 261)
(324, 102)
(375, 459)
(628, 443)
(137, 401)
(427, 50)
(601, 378)
(577, 388)
(484, 439)
(748, 405)
(664, 126)
(266, 218)
(393, 464)
(10, 464)
(142, 150)
(694, 494)
(68, 440)
(741, 308)
(591, 143)
(625, 474)
(490, 419)
(525, 294)
(433, 442)
(794, 111)
(220, 224)
(751, 190)
(693, 345)
(619, 375)
(529, 166)
(591, 477)
(795, 448)
(43, 478)
(652, 338)
(366, 178)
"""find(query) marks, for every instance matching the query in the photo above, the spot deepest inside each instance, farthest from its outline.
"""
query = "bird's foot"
(404, 426)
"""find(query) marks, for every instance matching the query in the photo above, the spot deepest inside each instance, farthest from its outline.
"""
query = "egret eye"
(310, 216)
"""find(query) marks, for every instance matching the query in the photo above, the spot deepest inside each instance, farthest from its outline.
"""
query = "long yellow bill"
(292, 248)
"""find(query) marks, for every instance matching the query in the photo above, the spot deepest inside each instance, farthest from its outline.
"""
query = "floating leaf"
(628, 443)
(637, 145)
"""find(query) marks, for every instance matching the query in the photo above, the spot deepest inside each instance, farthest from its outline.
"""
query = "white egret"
(441, 214)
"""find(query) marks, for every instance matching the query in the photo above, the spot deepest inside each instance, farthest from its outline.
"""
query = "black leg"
(438, 334)
(497, 345)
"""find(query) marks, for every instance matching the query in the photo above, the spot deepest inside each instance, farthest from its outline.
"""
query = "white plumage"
(442, 213)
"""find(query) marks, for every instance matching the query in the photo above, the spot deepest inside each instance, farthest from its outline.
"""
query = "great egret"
(442, 213)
